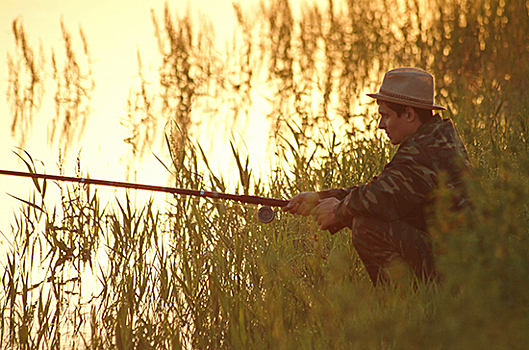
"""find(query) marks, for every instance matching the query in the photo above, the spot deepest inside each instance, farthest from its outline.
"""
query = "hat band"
(404, 97)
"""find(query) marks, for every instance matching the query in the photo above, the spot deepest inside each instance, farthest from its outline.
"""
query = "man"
(388, 215)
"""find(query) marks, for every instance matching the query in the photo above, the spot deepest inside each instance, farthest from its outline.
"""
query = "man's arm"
(338, 193)
(302, 203)
(310, 203)
(400, 189)
(324, 215)
(305, 202)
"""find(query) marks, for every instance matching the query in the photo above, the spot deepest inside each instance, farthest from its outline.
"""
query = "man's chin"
(392, 140)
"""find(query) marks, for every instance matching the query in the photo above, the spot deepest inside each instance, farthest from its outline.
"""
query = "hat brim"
(386, 98)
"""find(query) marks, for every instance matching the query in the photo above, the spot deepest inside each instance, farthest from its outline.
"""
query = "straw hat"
(408, 86)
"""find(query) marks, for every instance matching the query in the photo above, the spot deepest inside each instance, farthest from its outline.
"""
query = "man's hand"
(303, 203)
(323, 213)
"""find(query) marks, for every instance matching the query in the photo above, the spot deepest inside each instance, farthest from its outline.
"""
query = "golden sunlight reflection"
(115, 31)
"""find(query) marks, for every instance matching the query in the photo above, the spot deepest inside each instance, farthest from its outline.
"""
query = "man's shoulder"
(434, 139)
(438, 142)
(436, 135)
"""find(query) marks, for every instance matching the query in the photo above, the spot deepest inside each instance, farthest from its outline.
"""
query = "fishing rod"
(265, 214)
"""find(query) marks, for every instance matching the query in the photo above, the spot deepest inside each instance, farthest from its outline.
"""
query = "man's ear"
(411, 115)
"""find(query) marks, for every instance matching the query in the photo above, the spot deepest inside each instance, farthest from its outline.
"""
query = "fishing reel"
(266, 214)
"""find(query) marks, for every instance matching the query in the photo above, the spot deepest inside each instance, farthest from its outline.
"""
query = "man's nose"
(381, 124)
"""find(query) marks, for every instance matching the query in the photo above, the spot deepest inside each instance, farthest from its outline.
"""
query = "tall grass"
(201, 273)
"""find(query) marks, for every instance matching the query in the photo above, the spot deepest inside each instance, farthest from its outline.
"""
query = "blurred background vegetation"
(200, 273)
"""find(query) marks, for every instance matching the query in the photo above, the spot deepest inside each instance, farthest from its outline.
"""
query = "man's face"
(396, 127)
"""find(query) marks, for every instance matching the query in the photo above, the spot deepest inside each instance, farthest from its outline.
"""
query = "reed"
(202, 273)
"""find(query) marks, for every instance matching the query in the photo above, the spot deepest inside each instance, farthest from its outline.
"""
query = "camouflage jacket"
(405, 187)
